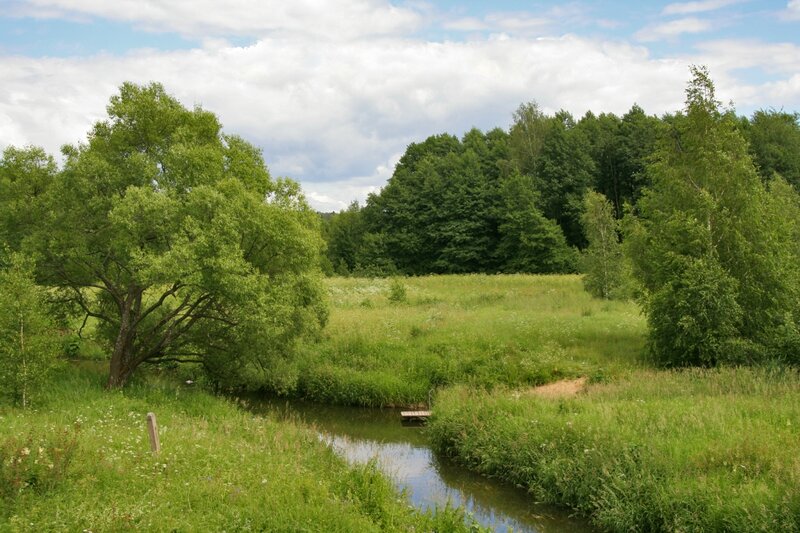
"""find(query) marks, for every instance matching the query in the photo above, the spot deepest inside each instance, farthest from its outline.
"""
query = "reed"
(693, 450)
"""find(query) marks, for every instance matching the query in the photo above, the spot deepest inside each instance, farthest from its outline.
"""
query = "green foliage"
(709, 246)
(373, 258)
(344, 234)
(175, 238)
(564, 172)
(695, 317)
(606, 271)
(774, 138)
(397, 291)
(25, 176)
(28, 341)
(438, 213)
(35, 463)
(529, 242)
(460, 207)
(696, 450)
(527, 135)
(621, 148)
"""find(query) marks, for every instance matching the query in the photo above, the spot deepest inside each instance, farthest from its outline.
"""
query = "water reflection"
(403, 454)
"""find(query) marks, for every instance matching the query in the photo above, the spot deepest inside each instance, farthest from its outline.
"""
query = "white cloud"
(672, 29)
(780, 61)
(793, 10)
(325, 113)
(336, 115)
(517, 22)
(332, 19)
(337, 195)
(500, 22)
(730, 55)
(687, 8)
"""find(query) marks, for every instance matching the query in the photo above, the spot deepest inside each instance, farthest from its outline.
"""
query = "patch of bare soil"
(559, 389)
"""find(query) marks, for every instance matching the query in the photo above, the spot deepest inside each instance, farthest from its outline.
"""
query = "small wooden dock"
(408, 416)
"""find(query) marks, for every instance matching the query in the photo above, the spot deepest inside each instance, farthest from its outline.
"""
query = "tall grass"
(485, 331)
(697, 450)
(82, 462)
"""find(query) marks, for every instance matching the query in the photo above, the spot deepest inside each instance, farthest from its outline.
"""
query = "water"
(403, 454)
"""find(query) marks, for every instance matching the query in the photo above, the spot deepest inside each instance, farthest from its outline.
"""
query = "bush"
(694, 317)
(607, 273)
(397, 291)
(28, 342)
(34, 463)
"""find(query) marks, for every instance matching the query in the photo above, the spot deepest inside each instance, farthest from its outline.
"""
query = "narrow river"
(404, 455)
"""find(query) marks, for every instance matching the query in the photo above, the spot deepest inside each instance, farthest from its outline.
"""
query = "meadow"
(81, 461)
(392, 342)
(638, 449)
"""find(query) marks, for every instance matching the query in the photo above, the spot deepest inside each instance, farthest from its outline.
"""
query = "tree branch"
(82, 303)
(176, 359)
(172, 334)
(175, 288)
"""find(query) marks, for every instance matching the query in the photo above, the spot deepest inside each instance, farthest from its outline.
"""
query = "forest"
(512, 201)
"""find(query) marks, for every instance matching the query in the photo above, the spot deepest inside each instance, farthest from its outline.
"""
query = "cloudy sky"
(334, 90)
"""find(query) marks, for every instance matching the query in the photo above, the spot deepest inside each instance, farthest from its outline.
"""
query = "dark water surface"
(404, 455)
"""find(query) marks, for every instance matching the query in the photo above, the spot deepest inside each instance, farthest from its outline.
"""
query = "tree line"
(513, 201)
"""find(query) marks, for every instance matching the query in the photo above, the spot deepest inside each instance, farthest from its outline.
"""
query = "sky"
(333, 91)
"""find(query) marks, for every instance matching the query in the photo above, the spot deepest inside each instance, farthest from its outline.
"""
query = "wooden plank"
(415, 414)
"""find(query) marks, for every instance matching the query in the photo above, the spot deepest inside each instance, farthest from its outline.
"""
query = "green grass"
(81, 461)
(697, 450)
(485, 331)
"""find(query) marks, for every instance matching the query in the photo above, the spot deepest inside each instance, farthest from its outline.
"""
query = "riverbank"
(696, 450)
(404, 454)
(81, 461)
(390, 342)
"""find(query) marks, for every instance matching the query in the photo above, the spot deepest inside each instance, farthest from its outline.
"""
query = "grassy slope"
(480, 330)
(81, 461)
(696, 450)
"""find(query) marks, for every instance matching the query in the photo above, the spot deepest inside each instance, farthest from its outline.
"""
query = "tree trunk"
(24, 363)
(122, 358)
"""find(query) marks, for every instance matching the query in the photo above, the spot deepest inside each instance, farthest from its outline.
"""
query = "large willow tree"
(175, 241)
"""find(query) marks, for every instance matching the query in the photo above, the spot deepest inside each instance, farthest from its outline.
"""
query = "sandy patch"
(559, 389)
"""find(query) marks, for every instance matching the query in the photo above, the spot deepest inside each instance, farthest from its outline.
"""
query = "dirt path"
(559, 389)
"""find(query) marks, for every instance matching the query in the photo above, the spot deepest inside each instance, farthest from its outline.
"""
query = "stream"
(402, 453)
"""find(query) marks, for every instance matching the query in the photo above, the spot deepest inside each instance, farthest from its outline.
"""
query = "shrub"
(397, 291)
(28, 343)
(34, 463)
(607, 274)
(694, 317)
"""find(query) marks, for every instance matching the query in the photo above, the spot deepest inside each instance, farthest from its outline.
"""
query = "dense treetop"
(172, 236)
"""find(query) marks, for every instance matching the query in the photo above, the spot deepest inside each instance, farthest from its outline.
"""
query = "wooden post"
(152, 429)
